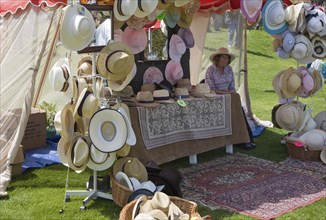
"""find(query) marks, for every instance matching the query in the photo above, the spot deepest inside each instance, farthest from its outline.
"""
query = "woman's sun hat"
(145, 7)
(222, 51)
(124, 9)
(124, 110)
(319, 47)
(320, 120)
(315, 139)
(251, 9)
(177, 48)
(162, 96)
(135, 39)
(173, 72)
(132, 167)
(302, 50)
(84, 66)
(87, 104)
(273, 17)
(78, 27)
(99, 160)
(108, 130)
(152, 75)
(292, 13)
(145, 99)
(78, 153)
(115, 61)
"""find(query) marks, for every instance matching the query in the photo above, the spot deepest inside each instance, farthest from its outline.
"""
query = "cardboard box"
(16, 166)
(35, 132)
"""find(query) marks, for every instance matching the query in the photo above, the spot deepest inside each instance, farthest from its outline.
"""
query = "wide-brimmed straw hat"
(135, 39)
(87, 104)
(145, 99)
(145, 7)
(287, 83)
(290, 116)
(292, 13)
(115, 61)
(124, 9)
(162, 96)
(84, 66)
(273, 17)
(99, 160)
(320, 120)
(222, 51)
(152, 75)
(124, 111)
(302, 50)
(132, 167)
(64, 122)
(78, 27)
(251, 9)
(118, 85)
(173, 72)
(108, 130)
(78, 152)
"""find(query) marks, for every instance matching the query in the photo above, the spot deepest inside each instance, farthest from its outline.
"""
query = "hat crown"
(288, 42)
(81, 152)
(294, 83)
(299, 51)
(97, 156)
(82, 27)
(276, 15)
(145, 96)
(202, 88)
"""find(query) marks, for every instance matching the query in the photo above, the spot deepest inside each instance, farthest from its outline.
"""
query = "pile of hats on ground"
(299, 30)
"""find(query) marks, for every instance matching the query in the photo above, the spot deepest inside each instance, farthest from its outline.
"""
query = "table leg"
(229, 149)
(193, 159)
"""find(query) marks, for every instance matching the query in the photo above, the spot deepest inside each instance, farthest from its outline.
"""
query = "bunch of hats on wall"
(299, 30)
(295, 116)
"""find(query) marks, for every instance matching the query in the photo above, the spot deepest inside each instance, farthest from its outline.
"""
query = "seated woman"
(220, 78)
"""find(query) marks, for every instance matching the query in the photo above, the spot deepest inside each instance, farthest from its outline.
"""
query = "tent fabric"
(9, 6)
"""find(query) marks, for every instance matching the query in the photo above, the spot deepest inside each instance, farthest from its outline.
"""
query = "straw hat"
(151, 87)
(320, 120)
(184, 83)
(292, 13)
(78, 27)
(115, 61)
(287, 83)
(276, 125)
(185, 19)
(99, 160)
(87, 104)
(84, 66)
(251, 9)
(62, 148)
(160, 201)
(124, 110)
(135, 39)
(308, 122)
(289, 116)
(145, 7)
(118, 85)
(78, 152)
(64, 120)
(108, 130)
(302, 50)
(145, 99)
(124, 9)
(177, 48)
(124, 151)
(307, 82)
(162, 96)
(173, 72)
(222, 51)
(319, 47)
(163, 4)
(315, 139)
(202, 90)
(132, 167)
(273, 17)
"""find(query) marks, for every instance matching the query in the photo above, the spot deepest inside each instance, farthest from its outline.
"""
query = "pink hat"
(307, 82)
(135, 39)
(251, 9)
(176, 48)
(187, 37)
(152, 75)
(173, 72)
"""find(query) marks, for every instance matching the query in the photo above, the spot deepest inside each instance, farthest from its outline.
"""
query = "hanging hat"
(123, 180)
(273, 17)
(172, 16)
(87, 104)
(124, 9)
(79, 84)
(287, 83)
(145, 99)
(118, 85)
(251, 9)
(84, 66)
(152, 75)
(124, 94)
(99, 160)
(302, 50)
(124, 110)
(319, 47)
(176, 48)
(318, 82)
(316, 19)
(202, 90)
(115, 61)
(60, 77)
(145, 7)
(187, 37)
(162, 96)
(276, 125)
(135, 39)
(307, 82)
(78, 27)
(136, 22)
(289, 116)
(292, 13)
(288, 42)
(320, 120)
(173, 72)
(78, 153)
(185, 19)
(315, 139)
(163, 4)
(180, 3)
(64, 123)
(62, 149)
(108, 130)
(132, 167)
(323, 155)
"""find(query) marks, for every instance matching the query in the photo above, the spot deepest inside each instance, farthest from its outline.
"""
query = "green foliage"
(51, 110)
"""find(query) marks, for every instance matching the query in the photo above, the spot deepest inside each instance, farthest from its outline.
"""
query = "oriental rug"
(251, 186)
(170, 123)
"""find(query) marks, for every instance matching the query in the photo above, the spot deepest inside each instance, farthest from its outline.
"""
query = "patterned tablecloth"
(200, 119)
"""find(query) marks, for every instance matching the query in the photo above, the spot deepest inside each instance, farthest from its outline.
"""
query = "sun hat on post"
(145, 7)
(177, 48)
(173, 72)
(135, 39)
(78, 152)
(124, 9)
(302, 50)
(118, 85)
(87, 104)
(290, 116)
(273, 17)
(78, 27)
(251, 9)
(222, 51)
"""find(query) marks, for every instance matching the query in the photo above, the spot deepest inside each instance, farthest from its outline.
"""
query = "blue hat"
(273, 17)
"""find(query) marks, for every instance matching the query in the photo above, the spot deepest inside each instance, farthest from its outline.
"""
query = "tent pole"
(47, 62)
(245, 80)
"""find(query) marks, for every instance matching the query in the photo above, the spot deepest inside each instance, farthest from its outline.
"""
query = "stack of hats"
(298, 29)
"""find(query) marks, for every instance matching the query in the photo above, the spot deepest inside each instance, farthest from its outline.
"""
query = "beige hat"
(221, 51)
(182, 93)
(145, 99)
(124, 9)
(160, 201)
(115, 61)
(290, 116)
(184, 83)
(291, 15)
(79, 84)
(320, 120)
(132, 167)
(84, 66)
(118, 85)
(62, 148)
(302, 50)
(87, 104)
(202, 90)
(318, 82)
(78, 152)
(162, 96)
(124, 151)
(315, 139)
(124, 111)
(151, 87)
(287, 83)
(145, 7)
(64, 120)
(99, 160)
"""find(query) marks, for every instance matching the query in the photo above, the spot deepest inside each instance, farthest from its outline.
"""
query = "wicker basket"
(301, 153)
(120, 193)
(186, 206)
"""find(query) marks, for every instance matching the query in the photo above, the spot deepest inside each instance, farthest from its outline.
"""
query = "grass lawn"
(39, 193)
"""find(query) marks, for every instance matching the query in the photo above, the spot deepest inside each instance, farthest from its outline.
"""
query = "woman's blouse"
(218, 80)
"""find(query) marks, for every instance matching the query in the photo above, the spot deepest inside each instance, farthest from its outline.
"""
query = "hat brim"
(131, 6)
(114, 85)
(124, 180)
(268, 28)
(67, 120)
(116, 121)
(99, 166)
(250, 16)
(212, 56)
(131, 137)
